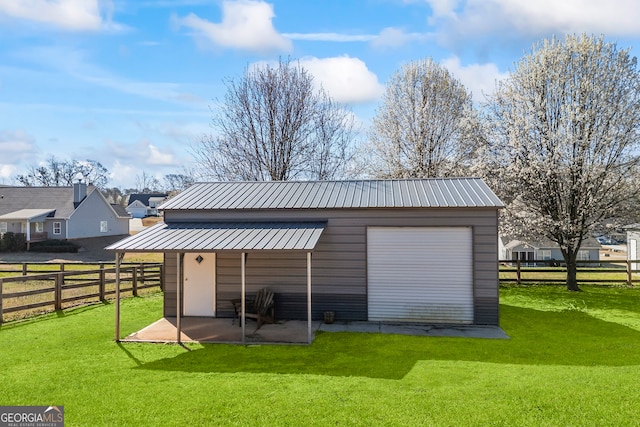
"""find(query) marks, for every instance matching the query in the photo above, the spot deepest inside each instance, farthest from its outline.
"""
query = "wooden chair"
(261, 308)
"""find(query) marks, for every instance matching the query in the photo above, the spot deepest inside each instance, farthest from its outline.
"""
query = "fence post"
(629, 274)
(102, 282)
(1, 298)
(62, 266)
(161, 271)
(518, 271)
(24, 268)
(142, 273)
(134, 281)
(58, 291)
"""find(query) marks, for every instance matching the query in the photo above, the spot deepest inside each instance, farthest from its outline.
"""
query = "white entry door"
(199, 289)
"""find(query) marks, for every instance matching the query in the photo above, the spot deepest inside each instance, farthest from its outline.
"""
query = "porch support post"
(119, 256)
(179, 287)
(215, 285)
(309, 336)
(243, 284)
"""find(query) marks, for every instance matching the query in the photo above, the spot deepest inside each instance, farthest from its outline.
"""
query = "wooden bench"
(260, 307)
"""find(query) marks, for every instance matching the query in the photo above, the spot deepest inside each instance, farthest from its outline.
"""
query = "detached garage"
(414, 250)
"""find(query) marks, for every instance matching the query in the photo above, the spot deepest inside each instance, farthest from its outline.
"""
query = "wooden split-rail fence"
(33, 288)
(598, 272)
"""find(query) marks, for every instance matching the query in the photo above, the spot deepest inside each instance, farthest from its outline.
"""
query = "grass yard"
(573, 359)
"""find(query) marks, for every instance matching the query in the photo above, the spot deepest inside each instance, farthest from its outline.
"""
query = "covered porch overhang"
(241, 238)
(28, 216)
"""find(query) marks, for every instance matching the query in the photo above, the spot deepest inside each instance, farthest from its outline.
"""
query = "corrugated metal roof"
(207, 236)
(436, 193)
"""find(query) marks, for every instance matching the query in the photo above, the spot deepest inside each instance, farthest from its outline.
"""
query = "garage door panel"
(420, 274)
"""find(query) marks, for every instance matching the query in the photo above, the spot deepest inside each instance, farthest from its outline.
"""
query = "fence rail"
(57, 287)
(554, 271)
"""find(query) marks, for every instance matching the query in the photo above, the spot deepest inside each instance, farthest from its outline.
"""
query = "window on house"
(104, 226)
(583, 255)
(544, 254)
(39, 227)
(3, 227)
(57, 227)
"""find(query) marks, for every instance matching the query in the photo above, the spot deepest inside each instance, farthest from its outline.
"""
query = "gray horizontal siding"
(339, 262)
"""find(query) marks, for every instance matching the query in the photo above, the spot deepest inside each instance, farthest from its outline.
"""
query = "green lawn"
(573, 359)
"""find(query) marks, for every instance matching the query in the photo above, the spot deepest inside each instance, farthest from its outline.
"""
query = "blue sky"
(131, 83)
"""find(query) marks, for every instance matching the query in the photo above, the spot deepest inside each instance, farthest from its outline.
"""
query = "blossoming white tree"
(425, 125)
(566, 137)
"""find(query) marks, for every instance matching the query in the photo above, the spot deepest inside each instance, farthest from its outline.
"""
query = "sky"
(133, 83)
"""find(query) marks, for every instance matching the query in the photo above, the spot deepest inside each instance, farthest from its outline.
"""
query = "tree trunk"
(572, 270)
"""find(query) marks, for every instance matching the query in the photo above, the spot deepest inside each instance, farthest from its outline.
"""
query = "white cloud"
(130, 159)
(396, 37)
(534, 18)
(611, 17)
(157, 157)
(345, 79)
(331, 37)
(15, 146)
(123, 174)
(246, 25)
(70, 15)
(480, 79)
(7, 171)
(443, 7)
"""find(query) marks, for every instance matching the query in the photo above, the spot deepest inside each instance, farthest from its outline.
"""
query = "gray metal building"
(415, 250)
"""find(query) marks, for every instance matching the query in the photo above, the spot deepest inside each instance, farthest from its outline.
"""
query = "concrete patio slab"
(223, 330)
(417, 329)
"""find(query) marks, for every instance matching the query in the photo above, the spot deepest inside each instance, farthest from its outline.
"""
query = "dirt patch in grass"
(151, 220)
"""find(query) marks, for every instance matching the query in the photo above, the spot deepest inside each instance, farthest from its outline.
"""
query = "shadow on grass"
(537, 338)
(57, 314)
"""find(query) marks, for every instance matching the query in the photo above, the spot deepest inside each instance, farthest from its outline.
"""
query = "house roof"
(434, 193)
(216, 236)
(119, 210)
(26, 214)
(144, 197)
(59, 199)
(587, 243)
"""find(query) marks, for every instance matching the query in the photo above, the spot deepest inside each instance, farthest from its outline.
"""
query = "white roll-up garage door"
(420, 274)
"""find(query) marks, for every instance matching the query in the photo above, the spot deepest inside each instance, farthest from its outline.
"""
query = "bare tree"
(273, 125)
(566, 138)
(426, 126)
(147, 183)
(57, 172)
(114, 195)
(176, 182)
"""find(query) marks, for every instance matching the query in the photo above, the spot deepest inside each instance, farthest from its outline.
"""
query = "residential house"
(143, 205)
(545, 250)
(41, 213)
